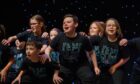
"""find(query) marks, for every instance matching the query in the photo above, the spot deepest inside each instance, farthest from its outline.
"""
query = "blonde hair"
(100, 25)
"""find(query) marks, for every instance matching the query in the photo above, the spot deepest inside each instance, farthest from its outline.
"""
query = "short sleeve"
(125, 52)
(87, 44)
(22, 35)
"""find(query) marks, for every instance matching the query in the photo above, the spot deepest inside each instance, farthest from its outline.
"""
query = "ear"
(76, 25)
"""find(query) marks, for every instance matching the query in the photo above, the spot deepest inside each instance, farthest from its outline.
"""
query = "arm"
(46, 56)
(43, 48)
(121, 62)
(3, 72)
(9, 40)
(18, 78)
(94, 60)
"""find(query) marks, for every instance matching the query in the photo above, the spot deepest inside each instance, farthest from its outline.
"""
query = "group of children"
(66, 57)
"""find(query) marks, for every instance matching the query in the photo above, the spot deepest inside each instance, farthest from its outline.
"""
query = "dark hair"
(34, 43)
(75, 18)
(2, 32)
(56, 29)
(40, 19)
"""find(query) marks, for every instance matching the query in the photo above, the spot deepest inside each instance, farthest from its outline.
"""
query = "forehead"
(110, 22)
(53, 32)
(30, 46)
(33, 21)
(68, 19)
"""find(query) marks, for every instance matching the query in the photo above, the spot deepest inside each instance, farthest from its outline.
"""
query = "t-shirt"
(4, 55)
(72, 51)
(29, 36)
(134, 45)
(55, 56)
(19, 56)
(38, 70)
(108, 53)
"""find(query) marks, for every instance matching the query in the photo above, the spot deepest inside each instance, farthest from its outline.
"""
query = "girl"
(110, 55)
(37, 25)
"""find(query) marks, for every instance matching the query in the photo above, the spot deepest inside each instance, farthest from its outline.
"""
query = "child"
(54, 54)
(10, 71)
(134, 44)
(33, 71)
(110, 55)
(96, 28)
(37, 25)
(72, 48)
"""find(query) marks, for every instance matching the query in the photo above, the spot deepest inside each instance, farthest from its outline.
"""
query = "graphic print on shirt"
(71, 50)
(106, 55)
(18, 61)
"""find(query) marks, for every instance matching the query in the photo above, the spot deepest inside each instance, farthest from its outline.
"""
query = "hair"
(74, 17)
(2, 32)
(56, 29)
(100, 25)
(40, 19)
(34, 43)
(119, 32)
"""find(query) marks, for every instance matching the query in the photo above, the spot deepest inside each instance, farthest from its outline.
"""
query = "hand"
(83, 33)
(18, 79)
(57, 79)
(3, 75)
(44, 58)
(45, 35)
(97, 71)
(123, 42)
(29, 30)
(112, 70)
(5, 42)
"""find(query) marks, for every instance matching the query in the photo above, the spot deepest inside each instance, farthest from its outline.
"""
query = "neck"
(71, 35)
(38, 33)
(112, 38)
(34, 58)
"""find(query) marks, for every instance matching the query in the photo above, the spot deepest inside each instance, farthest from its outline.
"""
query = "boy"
(72, 47)
(33, 71)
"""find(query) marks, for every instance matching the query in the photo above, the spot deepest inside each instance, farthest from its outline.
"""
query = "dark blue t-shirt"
(38, 70)
(29, 36)
(108, 53)
(72, 51)
(19, 56)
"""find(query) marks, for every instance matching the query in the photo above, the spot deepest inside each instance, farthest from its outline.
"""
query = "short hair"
(34, 43)
(75, 18)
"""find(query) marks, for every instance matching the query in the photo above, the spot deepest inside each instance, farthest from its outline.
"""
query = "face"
(53, 34)
(69, 25)
(31, 51)
(35, 25)
(94, 30)
(111, 28)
